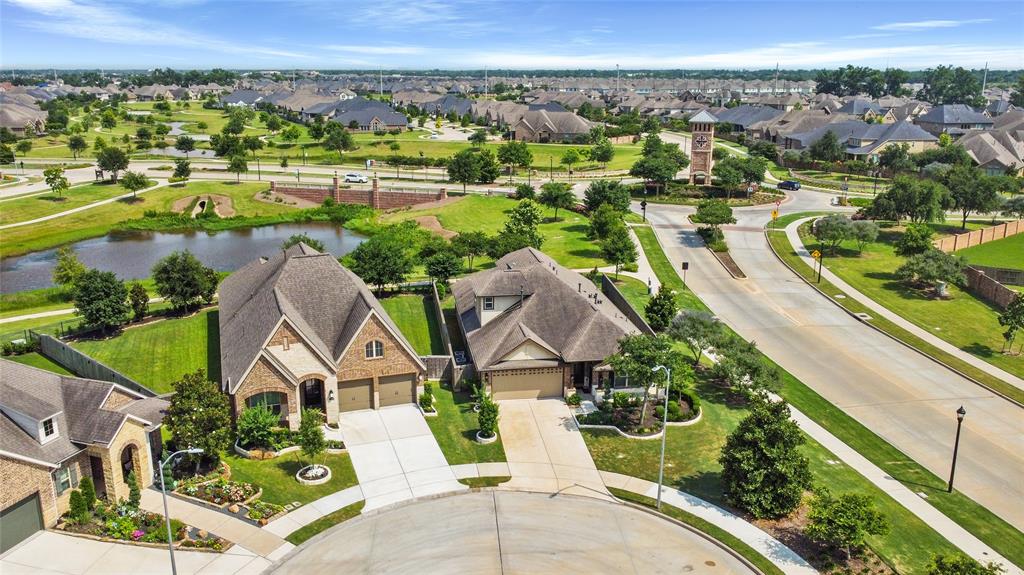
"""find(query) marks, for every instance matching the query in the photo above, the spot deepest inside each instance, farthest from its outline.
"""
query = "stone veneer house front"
(298, 330)
(55, 430)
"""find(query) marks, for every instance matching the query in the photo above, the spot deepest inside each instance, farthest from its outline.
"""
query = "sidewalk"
(794, 237)
(774, 550)
(159, 184)
(643, 272)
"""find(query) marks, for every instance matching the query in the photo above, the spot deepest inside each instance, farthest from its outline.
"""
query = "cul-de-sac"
(447, 287)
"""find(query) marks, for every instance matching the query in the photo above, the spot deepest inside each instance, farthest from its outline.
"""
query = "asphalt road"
(899, 394)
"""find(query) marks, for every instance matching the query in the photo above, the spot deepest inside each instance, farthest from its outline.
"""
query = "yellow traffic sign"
(815, 254)
(775, 214)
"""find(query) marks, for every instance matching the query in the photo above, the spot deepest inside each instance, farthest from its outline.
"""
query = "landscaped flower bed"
(262, 512)
(124, 523)
(220, 491)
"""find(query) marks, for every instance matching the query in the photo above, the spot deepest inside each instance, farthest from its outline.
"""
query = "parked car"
(789, 185)
(356, 178)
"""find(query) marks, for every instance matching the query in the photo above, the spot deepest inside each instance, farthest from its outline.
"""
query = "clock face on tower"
(700, 142)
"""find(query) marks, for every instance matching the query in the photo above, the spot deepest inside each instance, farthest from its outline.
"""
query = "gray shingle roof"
(743, 116)
(323, 300)
(954, 114)
(558, 311)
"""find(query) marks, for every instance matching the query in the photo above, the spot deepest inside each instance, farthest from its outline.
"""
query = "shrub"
(574, 400)
(692, 399)
(134, 495)
(427, 401)
(256, 426)
(78, 512)
(525, 192)
(88, 490)
(622, 400)
(917, 239)
(488, 417)
(120, 527)
(932, 266)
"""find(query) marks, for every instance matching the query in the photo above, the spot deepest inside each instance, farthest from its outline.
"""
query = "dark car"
(789, 185)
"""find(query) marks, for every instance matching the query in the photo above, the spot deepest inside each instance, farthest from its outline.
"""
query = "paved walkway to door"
(395, 455)
(545, 450)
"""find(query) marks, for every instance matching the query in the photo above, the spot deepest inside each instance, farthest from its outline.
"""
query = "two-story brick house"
(298, 330)
(55, 430)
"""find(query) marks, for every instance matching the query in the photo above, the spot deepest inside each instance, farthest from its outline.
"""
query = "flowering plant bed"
(262, 512)
(124, 524)
(220, 492)
(314, 475)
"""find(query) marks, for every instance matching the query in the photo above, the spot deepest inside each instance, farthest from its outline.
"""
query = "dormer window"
(488, 303)
(48, 428)
(374, 349)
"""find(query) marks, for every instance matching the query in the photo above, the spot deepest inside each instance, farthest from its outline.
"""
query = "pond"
(131, 255)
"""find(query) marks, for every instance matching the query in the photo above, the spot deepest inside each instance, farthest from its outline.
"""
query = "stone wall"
(984, 235)
(21, 479)
(375, 197)
(1009, 276)
(989, 289)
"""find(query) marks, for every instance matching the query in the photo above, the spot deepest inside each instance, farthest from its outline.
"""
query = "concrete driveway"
(55, 553)
(545, 450)
(395, 455)
(501, 532)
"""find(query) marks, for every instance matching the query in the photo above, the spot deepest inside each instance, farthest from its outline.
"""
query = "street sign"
(816, 254)
(686, 266)
(775, 214)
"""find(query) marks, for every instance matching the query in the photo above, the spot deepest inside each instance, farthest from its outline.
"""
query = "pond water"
(131, 255)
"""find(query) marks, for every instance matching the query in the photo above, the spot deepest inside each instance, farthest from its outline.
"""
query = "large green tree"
(101, 299)
(951, 85)
(381, 260)
(183, 280)
(113, 160)
(610, 192)
(698, 330)
(661, 308)
(971, 191)
(557, 195)
(133, 182)
(199, 416)
(637, 356)
(827, 148)
(763, 471)
(618, 249)
(464, 168)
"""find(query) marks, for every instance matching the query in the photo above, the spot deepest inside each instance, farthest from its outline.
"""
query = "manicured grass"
(664, 270)
(1004, 253)
(22, 209)
(414, 314)
(305, 533)
(38, 360)
(158, 354)
(635, 292)
(565, 240)
(34, 301)
(780, 244)
(455, 429)
(691, 464)
(485, 481)
(723, 536)
(98, 221)
(277, 476)
(48, 325)
(965, 321)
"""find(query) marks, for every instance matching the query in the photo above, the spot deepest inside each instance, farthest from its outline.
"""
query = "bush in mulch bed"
(123, 522)
(623, 411)
(262, 510)
(219, 491)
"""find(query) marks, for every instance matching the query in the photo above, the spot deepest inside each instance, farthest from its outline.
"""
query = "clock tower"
(702, 126)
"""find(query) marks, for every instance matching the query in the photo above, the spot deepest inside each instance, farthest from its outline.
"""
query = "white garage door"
(527, 383)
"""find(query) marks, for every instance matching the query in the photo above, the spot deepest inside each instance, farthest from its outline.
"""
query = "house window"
(488, 303)
(374, 349)
(272, 399)
(620, 381)
(48, 428)
(65, 478)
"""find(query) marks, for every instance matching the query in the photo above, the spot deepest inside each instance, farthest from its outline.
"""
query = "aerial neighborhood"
(414, 291)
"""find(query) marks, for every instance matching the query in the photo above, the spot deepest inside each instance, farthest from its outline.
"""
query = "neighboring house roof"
(76, 404)
(745, 115)
(323, 300)
(1002, 146)
(859, 107)
(895, 132)
(554, 122)
(17, 110)
(247, 97)
(954, 114)
(362, 110)
(999, 107)
(558, 312)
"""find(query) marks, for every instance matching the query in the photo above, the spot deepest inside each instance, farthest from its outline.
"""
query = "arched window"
(272, 399)
(374, 349)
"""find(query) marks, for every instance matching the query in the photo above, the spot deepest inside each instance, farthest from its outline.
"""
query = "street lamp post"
(664, 428)
(960, 413)
(167, 514)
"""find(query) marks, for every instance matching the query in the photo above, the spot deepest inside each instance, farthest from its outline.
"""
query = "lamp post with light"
(163, 492)
(960, 413)
(664, 427)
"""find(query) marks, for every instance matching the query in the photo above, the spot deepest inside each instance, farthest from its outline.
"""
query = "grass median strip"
(663, 269)
(723, 536)
(303, 534)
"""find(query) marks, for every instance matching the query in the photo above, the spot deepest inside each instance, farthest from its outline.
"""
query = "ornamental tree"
(833, 230)
(183, 280)
(380, 261)
(661, 308)
(113, 160)
(138, 299)
(470, 245)
(618, 248)
(763, 471)
(960, 564)
(638, 354)
(311, 435)
(557, 195)
(199, 416)
(133, 182)
(698, 329)
(933, 266)
(610, 192)
(56, 180)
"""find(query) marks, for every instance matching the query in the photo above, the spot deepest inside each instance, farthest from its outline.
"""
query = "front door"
(98, 480)
(313, 394)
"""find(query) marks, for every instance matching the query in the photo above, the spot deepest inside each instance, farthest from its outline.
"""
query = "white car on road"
(356, 178)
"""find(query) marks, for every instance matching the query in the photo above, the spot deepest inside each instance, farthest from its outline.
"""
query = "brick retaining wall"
(375, 197)
(988, 289)
(984, 235)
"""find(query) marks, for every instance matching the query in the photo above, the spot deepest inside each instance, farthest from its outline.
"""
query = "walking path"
(159, 184)
(54, 312)
(644, 272)
(793, 235)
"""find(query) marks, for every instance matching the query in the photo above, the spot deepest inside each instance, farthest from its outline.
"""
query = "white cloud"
(104, 23)
(374, 49)
(928, 24)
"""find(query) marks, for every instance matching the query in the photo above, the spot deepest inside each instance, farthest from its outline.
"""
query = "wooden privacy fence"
(976, 237)
(84, 366)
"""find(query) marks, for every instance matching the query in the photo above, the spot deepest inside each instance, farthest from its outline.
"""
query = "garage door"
(397, 389)
(19, 521)
(527, 383)
(355, 394)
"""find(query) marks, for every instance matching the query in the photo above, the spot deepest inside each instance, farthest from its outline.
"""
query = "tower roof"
(703, 117)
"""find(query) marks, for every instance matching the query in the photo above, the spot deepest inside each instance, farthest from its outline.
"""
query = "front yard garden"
(276, 477)
(455, 428)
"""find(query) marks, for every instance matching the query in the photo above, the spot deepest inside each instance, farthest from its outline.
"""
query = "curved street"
(510, 532)
(904, 397)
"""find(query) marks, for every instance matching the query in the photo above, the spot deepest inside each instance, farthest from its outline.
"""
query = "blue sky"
(284, 34)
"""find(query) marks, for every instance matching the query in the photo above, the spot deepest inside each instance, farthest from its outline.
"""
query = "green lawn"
(28, 208)
(455, 429)
(565, 240)
(723, 536)
(306, 532)
(691, 464)
(965, 321)
(1004, 253)
(38, 360)
(98, 221)
(635, 292)
(277, 476)
(664, 270)
(158, 354)
(414, 314)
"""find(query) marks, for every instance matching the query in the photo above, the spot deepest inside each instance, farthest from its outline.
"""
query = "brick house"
(55, 430)
(298, 330)
(537, 329)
